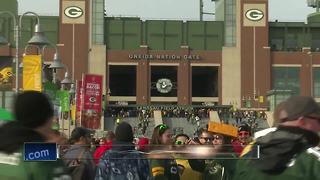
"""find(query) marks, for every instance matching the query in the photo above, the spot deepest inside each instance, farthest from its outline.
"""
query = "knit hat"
(244, 127)
(299, 106)
(32, 109)
(124, 132)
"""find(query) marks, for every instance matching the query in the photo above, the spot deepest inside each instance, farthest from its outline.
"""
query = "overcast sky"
(283, 10)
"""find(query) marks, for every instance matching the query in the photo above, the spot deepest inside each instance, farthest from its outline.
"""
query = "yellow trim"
(157, 171)
(247, 149)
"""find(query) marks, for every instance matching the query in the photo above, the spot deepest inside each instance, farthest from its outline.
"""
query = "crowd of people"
(167, 111)
(219, 151)
(193, 115)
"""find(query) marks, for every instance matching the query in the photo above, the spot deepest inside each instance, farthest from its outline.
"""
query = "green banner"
(50, 89)
(63, 97)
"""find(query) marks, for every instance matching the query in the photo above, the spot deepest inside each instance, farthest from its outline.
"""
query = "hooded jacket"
(12, 166)
(286, 153)
(123, 162)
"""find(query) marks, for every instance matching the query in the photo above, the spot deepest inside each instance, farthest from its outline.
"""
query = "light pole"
(65, 82)
(37, 39)
(108, 96)
(311, 74)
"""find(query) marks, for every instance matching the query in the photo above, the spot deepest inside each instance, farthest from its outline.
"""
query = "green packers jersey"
(13, 167)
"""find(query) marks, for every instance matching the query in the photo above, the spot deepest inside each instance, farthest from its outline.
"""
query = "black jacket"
(286, 153)
(13, 135)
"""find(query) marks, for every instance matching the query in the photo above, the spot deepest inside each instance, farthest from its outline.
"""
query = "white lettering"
(37, 154)
(93, 86)
(162, 57)
(31, 156)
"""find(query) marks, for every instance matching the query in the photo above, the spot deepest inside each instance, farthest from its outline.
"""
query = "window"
(315, 45)
(286, 78)
(291, 42)
(98, 22)
(122, 80)
(230, 23)
(316, 82)
(276, 44)
(204, 81)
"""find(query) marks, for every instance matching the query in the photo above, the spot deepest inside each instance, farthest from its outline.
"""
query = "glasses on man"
(217, 137)
(243, 133)
(207, 139)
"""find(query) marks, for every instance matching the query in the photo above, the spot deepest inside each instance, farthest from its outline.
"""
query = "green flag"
(50, 89)
(63, 97)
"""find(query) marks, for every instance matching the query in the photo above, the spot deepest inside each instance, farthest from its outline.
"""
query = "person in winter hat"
(244, 138)
(289, 152)
(33, 121)
(123, 161)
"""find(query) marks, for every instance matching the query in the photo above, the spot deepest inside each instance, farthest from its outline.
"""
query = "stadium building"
(239, 59)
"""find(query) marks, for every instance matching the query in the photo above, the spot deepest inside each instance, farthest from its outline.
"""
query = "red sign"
(92, 101)
(78, 101)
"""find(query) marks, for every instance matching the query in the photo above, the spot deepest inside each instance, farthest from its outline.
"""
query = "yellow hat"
(224, 129)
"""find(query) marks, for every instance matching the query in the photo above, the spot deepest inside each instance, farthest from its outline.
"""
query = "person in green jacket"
(290, 151)
(34, 114)
(163, 168)
(186, 170)
(221, 166)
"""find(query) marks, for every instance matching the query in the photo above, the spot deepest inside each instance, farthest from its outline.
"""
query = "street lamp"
(56, 63)
(67, 80)
(72, 90)
(38, 38)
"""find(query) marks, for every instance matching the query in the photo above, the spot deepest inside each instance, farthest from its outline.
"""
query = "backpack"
(123, 165)
(78, 169)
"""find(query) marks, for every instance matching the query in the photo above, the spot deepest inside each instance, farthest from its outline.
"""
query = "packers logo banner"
(32, 73)
(6, 74)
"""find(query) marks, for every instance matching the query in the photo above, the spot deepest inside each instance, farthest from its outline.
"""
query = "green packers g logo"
(254, 14)
(73, 12)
